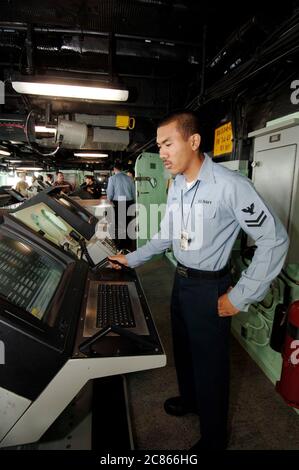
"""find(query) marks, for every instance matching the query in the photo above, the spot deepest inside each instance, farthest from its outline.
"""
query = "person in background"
(66, 187)
(131, 173)
(206, 208)
(34, 187)
(121, 191)
(93, 187)
(22, 186)
(49, 179)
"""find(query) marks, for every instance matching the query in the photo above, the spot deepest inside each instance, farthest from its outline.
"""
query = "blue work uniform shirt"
(120, 188)
(224, 201)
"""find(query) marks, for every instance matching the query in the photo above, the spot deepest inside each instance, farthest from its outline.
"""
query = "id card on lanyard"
(185, 237)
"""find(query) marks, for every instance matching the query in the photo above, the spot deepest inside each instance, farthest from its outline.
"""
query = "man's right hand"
(119, 259)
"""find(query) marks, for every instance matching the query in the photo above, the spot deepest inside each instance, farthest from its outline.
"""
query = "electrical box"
(275, 175)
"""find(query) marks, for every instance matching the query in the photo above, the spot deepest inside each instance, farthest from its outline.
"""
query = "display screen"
(42, 219)
(28, 277)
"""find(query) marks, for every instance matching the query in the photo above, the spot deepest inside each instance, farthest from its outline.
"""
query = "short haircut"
(117, 164)
(130, 170)
(187, 123)
(90, 177)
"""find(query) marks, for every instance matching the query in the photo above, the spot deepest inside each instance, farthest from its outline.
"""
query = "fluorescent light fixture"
(45, 129)
(4, 152)
(70, 91)
(91, 155)
(29, 168)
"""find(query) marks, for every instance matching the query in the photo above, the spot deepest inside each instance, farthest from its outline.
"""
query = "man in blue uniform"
(121, 191)
(207, 205)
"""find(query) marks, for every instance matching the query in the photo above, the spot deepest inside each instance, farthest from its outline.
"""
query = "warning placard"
(223, 141)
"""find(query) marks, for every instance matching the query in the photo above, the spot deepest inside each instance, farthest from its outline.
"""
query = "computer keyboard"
(114, 306)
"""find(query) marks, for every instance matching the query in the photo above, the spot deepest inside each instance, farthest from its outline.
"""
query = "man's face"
(175, 152)
(88, 181)
(60, 177)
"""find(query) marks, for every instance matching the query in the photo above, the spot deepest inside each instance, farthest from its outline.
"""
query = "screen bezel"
(50, 314)
(59, 312)
(73, 213)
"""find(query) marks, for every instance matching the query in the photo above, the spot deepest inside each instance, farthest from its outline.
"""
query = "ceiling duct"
(108, 139)
(71, 134)
(117, 120)
(76, 135)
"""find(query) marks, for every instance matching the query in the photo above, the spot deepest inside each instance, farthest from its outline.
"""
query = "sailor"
(206, 208)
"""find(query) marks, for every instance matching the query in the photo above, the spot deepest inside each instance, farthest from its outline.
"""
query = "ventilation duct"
(108, 139)
(76, 135)
(71, 134)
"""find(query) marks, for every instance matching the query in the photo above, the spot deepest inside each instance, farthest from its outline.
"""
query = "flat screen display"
(28, 278)
(41, 218)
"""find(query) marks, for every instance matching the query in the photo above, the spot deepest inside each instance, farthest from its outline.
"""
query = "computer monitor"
(41, 292)
(29, 277)
(41, 218)
(15, 195)
(65, 208)
(42, 185)
(65, 223)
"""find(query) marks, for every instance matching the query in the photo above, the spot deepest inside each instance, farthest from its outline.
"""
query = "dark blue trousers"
(201, 353)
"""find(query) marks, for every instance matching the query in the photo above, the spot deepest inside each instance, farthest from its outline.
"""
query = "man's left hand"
(225, 307)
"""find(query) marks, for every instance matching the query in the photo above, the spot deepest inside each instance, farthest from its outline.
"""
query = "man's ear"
(195, 140)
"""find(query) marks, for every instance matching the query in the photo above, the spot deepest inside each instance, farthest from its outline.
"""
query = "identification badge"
(184, 243)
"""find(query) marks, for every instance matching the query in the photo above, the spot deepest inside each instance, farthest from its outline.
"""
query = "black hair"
(131, 170)
(118, 165)
(187, 122)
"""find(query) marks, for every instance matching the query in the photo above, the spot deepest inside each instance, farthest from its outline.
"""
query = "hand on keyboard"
(118, 261)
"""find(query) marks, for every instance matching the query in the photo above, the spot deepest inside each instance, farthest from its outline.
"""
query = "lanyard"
(182, 210)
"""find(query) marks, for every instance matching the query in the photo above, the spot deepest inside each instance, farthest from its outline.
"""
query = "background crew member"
(93, 187)
(121, 191)
(207, 205)
(22, 185)
(66, 187)
(130, 172)
(34, 186)
(49, 179)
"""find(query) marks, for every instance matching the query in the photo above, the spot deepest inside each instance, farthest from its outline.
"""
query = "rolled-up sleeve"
(271, 240)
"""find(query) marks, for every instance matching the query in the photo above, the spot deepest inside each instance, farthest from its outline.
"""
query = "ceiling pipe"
(23, 27)
(93, 72)
(102, 46)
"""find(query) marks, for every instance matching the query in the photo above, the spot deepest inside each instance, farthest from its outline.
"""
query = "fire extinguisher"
(288, 386)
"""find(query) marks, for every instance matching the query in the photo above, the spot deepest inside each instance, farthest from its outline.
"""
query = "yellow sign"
(223, 141)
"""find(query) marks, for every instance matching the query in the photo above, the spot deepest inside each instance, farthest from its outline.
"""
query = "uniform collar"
(205, 173)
